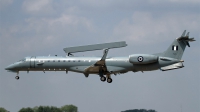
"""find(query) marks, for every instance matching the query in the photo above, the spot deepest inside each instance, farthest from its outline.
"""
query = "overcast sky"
(43, 27)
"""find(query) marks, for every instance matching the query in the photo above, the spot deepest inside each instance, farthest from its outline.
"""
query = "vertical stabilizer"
(177, 48)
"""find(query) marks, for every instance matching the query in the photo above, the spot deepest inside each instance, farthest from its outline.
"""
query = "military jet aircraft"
(104, 66)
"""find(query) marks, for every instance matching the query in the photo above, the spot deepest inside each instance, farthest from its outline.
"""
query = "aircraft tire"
(17, 77)
(103, 79)
(109, 80)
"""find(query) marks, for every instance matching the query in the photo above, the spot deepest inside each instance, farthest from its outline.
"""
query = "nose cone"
(10, 67)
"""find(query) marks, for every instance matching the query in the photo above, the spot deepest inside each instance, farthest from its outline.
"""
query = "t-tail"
(176, 49)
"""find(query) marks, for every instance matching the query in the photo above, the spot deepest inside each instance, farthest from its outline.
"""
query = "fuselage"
(79, 64)
(104, 66)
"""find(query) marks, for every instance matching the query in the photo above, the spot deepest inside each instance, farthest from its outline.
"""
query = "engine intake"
(142, 59)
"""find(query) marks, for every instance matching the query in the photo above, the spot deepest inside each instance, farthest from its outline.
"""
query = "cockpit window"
(22, 60)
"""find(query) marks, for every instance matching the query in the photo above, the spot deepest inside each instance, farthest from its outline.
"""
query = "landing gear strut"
(109, 79)
(17, 77)
(102, 78)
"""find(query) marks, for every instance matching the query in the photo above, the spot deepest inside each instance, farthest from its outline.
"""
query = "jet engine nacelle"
(142, 59)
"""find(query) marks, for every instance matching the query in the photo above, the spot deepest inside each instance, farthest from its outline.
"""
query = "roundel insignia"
(140, 58)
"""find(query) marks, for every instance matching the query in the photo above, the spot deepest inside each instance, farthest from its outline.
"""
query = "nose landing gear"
(17, 77)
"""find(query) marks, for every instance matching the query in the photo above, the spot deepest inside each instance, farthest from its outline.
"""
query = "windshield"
(22, 60)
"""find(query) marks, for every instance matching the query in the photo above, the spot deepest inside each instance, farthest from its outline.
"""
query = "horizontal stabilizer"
(95, 47)
(183, 34)
(171, 67)
(185, 38)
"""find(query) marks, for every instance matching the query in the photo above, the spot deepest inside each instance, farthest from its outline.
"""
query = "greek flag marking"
(175, 48)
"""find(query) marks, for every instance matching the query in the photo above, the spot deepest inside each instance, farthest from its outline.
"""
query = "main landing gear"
(109, 80)
(103, 79)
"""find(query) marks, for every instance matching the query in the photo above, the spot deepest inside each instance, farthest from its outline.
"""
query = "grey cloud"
(144, 28)
(38, 7)
(5, 3)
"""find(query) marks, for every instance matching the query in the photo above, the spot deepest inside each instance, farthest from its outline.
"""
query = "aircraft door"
(32, 62)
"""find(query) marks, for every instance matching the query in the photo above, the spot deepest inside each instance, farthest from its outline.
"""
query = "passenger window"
(63, 60)
(79, 61)
(53, 60)
(58, 60)
(48, 60)
(68, 60)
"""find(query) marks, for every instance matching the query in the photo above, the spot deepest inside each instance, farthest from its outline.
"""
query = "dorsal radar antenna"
(94, 47)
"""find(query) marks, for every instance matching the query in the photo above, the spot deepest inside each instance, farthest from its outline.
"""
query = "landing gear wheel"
(17, 77)
(109, 80)
(103, 78)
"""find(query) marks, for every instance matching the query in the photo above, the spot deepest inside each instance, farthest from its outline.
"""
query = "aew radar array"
(103, 66)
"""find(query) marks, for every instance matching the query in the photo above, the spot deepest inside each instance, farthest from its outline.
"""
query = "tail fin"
(177, 48)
